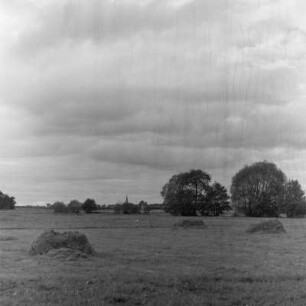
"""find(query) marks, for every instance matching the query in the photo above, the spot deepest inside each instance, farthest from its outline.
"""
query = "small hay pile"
(65, 253)
(270, 227)
(67, 244)
(190, 223)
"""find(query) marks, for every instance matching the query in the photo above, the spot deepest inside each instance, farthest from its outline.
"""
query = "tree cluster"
(6, 201)
(75, 206)
(191, 193)
(262, 190)
(130, 208)
(126, 209)
(257, 190)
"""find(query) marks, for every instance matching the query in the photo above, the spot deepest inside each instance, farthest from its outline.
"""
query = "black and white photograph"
(152, 152)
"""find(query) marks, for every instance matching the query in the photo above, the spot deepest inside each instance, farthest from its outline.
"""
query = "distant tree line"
(257, 190)
(121, 207)
(129, 208)
(74, 206)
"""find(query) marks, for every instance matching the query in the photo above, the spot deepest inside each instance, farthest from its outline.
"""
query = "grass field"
(148, 262)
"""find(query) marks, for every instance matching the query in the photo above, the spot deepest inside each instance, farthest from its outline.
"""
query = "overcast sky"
(102, 98)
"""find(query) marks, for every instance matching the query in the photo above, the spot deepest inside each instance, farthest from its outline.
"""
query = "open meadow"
(144, 260)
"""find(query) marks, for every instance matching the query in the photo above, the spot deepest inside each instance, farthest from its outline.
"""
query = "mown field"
(143, 260)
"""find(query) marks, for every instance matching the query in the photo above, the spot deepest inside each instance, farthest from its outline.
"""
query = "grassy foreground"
(143, 260)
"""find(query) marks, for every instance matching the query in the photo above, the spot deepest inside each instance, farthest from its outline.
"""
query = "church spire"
(126, 199)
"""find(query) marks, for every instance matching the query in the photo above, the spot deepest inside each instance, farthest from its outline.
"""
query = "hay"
(270, 227)
(66, 253)
(54, 243)
(190, 223)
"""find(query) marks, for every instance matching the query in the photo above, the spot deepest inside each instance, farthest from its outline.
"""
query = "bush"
(74, 206)
(126, 208)
(60, 207)
(89, 206)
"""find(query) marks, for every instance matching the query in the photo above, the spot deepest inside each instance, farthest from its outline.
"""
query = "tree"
(187, 193)
(126, 208)
(89, 206)
(143, 207)
(74, 206)
(7, 202)
(217, 200)
(59, 207)
(258, 190)
(294, 204)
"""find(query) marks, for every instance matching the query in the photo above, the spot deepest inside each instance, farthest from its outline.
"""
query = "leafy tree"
(74, 206)
(59, 207)
(89, 206)
(217, 200)
(258, 190)
(190, 193)
(143, 203)
(294, 204)
(7, 202)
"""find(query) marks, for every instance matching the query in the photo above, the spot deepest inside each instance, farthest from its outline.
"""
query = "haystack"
(190, 223)
(269, 226)
(66, 253)
(67, 242)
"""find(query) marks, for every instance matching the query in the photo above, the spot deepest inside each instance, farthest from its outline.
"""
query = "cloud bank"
(106, 98)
